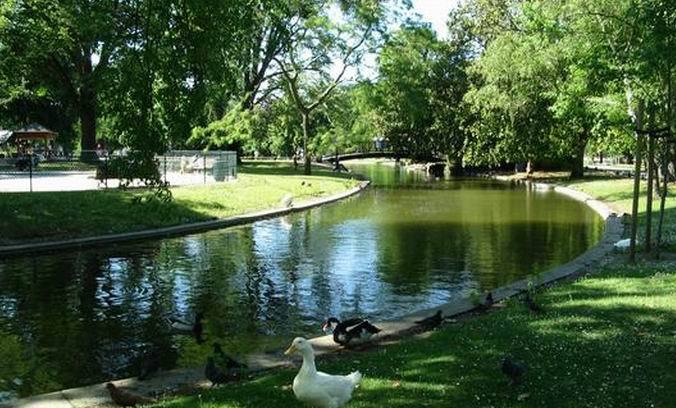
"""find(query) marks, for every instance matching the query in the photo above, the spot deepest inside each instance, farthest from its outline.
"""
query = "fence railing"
(91, 170)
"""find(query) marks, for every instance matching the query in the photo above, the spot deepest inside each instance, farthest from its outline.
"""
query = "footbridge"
(434, 165)
(360, 155)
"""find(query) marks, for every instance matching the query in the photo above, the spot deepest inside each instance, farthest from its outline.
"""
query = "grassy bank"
(50, 216)
(603, 341)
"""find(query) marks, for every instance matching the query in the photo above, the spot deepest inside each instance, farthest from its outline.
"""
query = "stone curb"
(177, 229)
(97, 396)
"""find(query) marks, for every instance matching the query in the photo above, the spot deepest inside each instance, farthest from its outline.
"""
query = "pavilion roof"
(34, 131)
(31, 132)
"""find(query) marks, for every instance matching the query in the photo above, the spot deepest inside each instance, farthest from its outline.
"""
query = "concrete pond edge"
(176, 230)
(174, 381)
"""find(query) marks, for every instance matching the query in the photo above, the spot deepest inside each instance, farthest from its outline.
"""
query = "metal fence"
(92, 170)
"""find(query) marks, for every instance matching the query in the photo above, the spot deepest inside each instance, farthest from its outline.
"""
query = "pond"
(409, 242)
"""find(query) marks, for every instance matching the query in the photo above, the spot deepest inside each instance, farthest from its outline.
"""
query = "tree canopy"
(514, 81)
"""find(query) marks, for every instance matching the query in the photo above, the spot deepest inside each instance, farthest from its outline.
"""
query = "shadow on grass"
(199, 206)
(45, 216)
(591, 351)
(668, 239)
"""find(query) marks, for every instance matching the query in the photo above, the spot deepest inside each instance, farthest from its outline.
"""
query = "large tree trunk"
(634, 204)
(657, 166)
(250, 96)
(87, 105)
(88, 118)
(306, 154)
(577, 170)
(454, 160)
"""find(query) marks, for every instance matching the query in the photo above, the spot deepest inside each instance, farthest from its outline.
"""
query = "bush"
(136, 166)
(128, 168)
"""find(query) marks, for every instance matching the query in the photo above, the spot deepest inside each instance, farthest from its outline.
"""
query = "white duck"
(319, 389)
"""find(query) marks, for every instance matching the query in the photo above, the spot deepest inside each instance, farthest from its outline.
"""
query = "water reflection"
(80, 317)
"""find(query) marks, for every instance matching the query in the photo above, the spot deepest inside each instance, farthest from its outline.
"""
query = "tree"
(292, 69)
(273, 25)
(519, 78)
(64, 48)
(239, 126)
(151, 71)
(179, 71)
(637, 37)
(404, 114)
(283, 134)
(510, 99)
(327, 43)
(346, 121)
(418, 98)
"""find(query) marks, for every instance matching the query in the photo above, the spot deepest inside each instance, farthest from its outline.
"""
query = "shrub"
(136, 166)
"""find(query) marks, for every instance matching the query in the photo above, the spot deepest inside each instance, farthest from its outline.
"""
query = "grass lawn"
(603, 341)
(48, 216)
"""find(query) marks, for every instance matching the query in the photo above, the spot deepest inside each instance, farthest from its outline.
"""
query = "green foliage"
(12, 367)
(515, 81)
(152, 71)
(136, 166)
(549, 77)
(47, 53)
(239, 126)
(282, 129)
(344, 123)
(417, 102)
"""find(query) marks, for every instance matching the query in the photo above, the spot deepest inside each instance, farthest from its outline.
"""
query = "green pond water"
(409, 242)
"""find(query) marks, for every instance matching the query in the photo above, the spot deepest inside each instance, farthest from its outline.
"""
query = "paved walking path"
(47, 181)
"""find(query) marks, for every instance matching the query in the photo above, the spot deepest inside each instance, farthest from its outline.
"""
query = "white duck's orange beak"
(292, 349)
